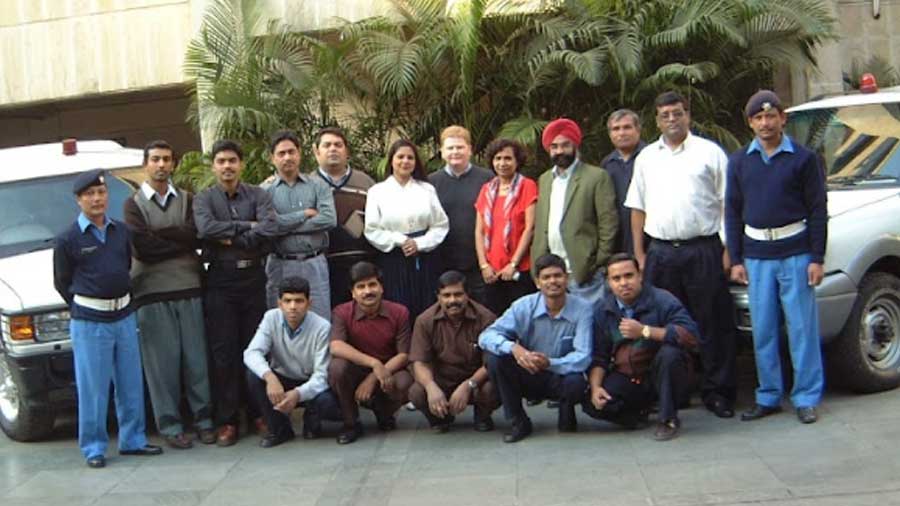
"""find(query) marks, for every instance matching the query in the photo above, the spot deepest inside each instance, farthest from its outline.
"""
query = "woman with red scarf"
(504, 227)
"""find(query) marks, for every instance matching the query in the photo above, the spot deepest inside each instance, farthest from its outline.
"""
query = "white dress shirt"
(557, 209)
(395, 211)
(151, 194)
(681, 190)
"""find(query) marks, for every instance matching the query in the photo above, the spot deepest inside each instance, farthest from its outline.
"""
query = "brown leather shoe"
(206, 436)
(259, 425)
(179, 441)
(227, 435)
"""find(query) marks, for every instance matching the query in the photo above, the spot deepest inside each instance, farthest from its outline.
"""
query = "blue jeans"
(780, 287)
(104, 352)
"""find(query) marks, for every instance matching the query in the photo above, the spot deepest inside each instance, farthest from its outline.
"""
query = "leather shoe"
(484, 425)
(387, 423)
(350, 435)
(96, 462)
(147, 450)
(271, 440)
(807, 415)
(259, 425)
(310, 433)
(207, 436)
(227, 435)
(179, 441)
(520, 430)
(667, 430)
(441, 428)
(721, 408)
(759, 411)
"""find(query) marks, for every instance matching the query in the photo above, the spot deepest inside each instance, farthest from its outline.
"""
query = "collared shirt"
(301, 354)
(394, 211)
(298, 234)
(627, 311)
(161, 200)
(450, 172)
(557, 210)
(621, 172)
(681, 190)
(565, 338)
(451, 348)
(335, 182)
(382, 335)
(99, 232)
(786, 146)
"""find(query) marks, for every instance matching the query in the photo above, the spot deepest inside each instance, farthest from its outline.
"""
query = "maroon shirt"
(383, 335)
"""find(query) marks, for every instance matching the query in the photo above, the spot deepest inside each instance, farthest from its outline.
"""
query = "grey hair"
(623, 113)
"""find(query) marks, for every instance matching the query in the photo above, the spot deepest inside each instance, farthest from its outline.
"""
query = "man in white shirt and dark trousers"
(676, 196)
(287, 365)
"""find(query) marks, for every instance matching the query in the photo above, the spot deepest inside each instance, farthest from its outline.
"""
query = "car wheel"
(18, 419)
(866, 355)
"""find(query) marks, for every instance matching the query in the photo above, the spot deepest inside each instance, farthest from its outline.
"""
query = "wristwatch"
(472, 384)
(645, 332)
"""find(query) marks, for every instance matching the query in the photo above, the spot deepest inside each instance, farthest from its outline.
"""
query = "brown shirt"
(450, 348)
(382, 335)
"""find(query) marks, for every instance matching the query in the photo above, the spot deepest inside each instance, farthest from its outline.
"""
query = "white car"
(858, 140)
(37, 377)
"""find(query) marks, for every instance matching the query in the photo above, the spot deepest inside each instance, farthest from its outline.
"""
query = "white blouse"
(394, 211)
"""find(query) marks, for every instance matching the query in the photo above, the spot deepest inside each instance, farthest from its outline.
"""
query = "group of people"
(600, 286)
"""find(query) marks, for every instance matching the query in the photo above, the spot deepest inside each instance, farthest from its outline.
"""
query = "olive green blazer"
(589, 224)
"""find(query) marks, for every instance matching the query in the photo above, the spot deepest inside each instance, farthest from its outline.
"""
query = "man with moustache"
(235, 221)
(91, 260)
(540, 348)
(676, 197)
(776, 221)
(448, 365)
(304, 213)
(576, 216)
(624, 127)
(346, 243)
(166, 285)
(642, 336)
(458, 186)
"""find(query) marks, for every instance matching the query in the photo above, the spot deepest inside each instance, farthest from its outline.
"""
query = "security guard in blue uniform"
(91, 263)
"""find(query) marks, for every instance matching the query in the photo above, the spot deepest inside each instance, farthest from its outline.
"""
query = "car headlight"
(43, 327)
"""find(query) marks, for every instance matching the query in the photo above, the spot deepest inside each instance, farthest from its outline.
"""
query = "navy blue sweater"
(85, 266)
(788, 189)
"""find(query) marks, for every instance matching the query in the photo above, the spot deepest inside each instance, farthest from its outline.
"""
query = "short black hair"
(549, 260)
(671, 98)
(364, 270)
(623, 257)
(419, 172)
(498, 145)
(332, 130)
(283, 135)
(293, 284)
(451, 278)
(226, 145)
(157, 144)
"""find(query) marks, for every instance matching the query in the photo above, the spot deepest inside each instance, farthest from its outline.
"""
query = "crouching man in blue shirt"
(540, 348)
(91, 264)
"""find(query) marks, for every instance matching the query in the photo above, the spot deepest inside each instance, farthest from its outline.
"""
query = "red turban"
(561, 126)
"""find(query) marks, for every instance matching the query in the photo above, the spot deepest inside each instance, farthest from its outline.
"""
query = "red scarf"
(493, 191)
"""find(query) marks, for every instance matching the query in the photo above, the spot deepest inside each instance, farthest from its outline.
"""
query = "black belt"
(292, 256)
(238, 264)
(677, 243)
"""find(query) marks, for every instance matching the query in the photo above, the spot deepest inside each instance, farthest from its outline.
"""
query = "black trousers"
(499, 295)
(693, 273)
(668, 381)
(515, 383)
(323, 407)
(233, 312)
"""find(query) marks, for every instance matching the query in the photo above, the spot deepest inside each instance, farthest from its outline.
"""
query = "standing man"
(576, 212)
(448, 365)
(369, 346)
(304, 213)
(776, 221)
(676, 197)
(540, 349)
(624, 127)
(235, 221)
(287, 366)
(642, 336)
(346, 243)
(91, 261)
(165, 277)
(458, 185)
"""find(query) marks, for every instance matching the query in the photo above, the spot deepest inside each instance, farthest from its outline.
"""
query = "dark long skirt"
(411, 281)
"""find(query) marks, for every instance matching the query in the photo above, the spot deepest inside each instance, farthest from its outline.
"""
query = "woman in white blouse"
(405, 222)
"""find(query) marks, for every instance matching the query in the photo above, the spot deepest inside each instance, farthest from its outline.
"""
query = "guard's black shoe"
(759, 411)
(807, 415)
(146, 451)
(96, 462)
(520, 430)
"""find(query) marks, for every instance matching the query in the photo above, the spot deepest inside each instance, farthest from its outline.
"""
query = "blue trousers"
(104, 352)
(593, 290)
(779, 288)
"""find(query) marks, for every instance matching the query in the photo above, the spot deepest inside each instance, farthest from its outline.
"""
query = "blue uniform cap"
(762, 100)
(87, 179)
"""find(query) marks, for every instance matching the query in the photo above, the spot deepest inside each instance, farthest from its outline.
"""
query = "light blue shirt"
(786, 146)
(100, 233)
(566, 339)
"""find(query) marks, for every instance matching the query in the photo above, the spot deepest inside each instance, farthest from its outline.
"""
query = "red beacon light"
(867, 83)
(70, 147)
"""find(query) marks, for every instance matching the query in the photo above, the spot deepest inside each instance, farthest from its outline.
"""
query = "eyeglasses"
(672, 115)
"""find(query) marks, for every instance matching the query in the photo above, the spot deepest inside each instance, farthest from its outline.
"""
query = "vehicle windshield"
(35, 211)
(857, 144)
